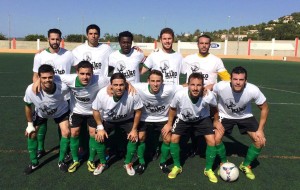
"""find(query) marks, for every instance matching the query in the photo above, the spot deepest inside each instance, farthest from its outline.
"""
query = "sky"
(19, 18)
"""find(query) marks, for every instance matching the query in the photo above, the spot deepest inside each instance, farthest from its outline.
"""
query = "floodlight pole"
(228, 19)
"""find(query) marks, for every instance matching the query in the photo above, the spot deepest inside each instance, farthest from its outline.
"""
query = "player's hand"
(29, 129)
(101, 135)
(131, 89)
(209, 87)
(109, 90)
(36, 86)
(219, 127)
(260, 137)
(133, 136)
(137, 48)
(165, 130)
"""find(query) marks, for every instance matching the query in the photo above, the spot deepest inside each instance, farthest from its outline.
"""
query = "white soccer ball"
(229, 172)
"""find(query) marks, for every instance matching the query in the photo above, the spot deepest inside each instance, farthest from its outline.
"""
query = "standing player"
(49, 103)
(192, 109)
(156, 98)
(61, 60)
(118, 111)
(84, 87)
(234, 105)
(209, 65)
(166, 59)
(127, 60)
(93, 51)
(206, 63)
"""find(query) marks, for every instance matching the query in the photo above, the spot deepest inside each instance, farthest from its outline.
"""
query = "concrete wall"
(234, 49)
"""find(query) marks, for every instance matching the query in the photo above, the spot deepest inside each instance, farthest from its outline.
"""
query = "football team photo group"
(104, 109)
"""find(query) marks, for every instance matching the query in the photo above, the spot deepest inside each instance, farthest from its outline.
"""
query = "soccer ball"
(229, 172)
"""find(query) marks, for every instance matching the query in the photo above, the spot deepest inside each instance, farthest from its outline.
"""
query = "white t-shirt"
(188, 111)
(121, 110)
(156, 106)
(48, 105)
(82, 97)
(127, 64)
(170, 64)
(234, 105)
(98, 56)
(61, 61)
(209, 66)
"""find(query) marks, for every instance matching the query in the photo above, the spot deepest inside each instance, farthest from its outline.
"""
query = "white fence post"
(273, 46)
(38, 44)
(225, 47)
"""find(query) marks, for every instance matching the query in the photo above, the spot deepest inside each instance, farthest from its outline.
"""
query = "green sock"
(74, 145)
(92, 148)
(141, 151)
(211, 152)
(221, 151)
(165, 152)
(32, 149)
(175, 151)
(100, 148)
(41, 136)
(63, 148)
(252, 154)
(131, 148)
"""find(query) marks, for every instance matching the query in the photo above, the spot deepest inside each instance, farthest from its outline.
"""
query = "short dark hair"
(84, 64)
(197, 76)
(93, 26)
(55, 31)
(204, 36)
(155, 72)
(45, 68)
(239, 70)
(125, 34)
(167, 31)
(117, 76)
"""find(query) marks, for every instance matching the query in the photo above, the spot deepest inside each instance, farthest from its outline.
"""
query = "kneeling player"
(234, 105)
(192, 108)
(49, 103)
(120, 110)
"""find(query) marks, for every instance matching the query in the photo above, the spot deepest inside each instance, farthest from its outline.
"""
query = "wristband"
(30, 128)
(99, 127)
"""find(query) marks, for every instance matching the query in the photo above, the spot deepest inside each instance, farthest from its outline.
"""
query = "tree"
(75, 38)
(34, 37)
(2, 37)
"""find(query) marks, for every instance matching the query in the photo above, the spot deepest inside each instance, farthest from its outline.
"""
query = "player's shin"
(131, 149)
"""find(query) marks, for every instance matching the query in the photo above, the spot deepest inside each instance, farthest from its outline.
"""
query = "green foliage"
(34, 37)
(75, 38)
(2, 37)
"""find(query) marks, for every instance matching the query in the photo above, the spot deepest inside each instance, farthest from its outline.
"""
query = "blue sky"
(138, 16)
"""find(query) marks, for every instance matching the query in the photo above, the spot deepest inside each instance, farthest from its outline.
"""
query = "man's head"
(155, 80)
(84, 72)
(125, 40)
(167, 39)
(54, 38)
(93, 35)
(46, 75)
(196, 85)
(118, 83)
(204, 44)
(238, 78)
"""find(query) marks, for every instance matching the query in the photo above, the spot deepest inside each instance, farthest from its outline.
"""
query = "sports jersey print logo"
(114, 115)
(154, 109)
(194, 68)
(230, 104)
(164, 68)
(122, 69)
(47, 110)
(87, 56)
(188, 115)
(82, 96)
(56, 71)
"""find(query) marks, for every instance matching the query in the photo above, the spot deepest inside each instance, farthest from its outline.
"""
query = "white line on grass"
(276, 89)
(11, 96)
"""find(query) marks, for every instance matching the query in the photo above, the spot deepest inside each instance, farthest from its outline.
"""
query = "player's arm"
(100, 132)
(168, 126)
(264, 110)
(133, 135)
(217, 124)
(35, 77)
(144, 69)
(224, 75)
(28, 114)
